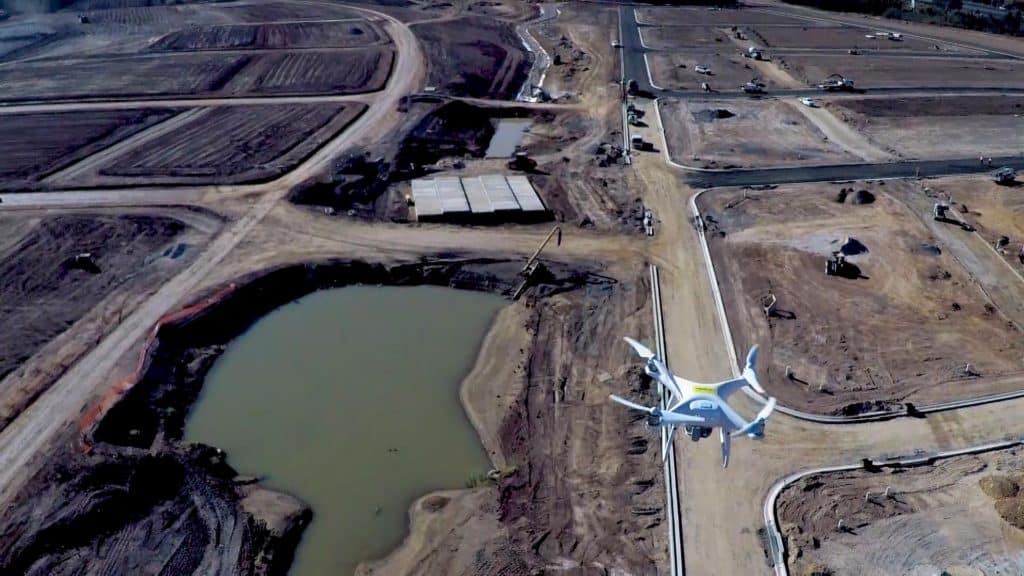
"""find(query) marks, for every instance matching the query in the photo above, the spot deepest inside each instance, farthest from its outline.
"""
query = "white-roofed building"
(490, 198)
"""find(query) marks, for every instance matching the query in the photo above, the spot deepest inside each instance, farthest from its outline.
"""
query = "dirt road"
(839, 132)
(24, 441)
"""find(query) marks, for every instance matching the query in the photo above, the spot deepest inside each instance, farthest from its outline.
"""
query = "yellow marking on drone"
(703, 390)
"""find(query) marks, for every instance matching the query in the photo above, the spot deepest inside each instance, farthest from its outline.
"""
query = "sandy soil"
(894, 71)
(729, 70)
(696, 16)
(937, 518)
(769, 133)
(931, 127)
(1004, 44)
(995, 210)
(671, 38)
(845, 38)
(474, 56)
(846, 358)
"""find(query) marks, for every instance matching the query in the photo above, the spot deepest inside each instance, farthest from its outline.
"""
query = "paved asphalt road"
(848, 172)
(636, 69)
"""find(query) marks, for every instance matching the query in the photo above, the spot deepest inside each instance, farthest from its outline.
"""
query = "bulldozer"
(522, 162)
(838, 265)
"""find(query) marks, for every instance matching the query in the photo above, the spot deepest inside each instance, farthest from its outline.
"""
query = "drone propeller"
(656, 369)
(634, 405)
(750, 370)
(756, 426)
(641, 350)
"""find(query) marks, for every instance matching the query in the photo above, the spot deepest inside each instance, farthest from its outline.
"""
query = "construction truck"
(1004, 176)
(941, 212)
(836, 83)
(754, 53)
(755, 86)
(638, 143)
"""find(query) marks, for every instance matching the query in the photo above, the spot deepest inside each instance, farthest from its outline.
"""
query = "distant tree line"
(876, 7)
(724, 3)
(948, 13)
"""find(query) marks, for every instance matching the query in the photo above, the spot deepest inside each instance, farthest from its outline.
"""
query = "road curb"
(777, 544)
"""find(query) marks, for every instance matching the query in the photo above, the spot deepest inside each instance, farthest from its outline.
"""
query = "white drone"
(700, 407)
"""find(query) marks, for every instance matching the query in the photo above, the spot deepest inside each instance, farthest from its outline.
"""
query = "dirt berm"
(141, 501)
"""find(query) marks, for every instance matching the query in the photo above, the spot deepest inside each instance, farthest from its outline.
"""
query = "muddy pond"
(508, 132)
(349, 399)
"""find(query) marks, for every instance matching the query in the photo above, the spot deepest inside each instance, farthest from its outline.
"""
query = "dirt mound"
(999, 487)
(474, 56)
(711, 115)
(817, 569)
(434, 503)
(1011, 510)
(862, 197)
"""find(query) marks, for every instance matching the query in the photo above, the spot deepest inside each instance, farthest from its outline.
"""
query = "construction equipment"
(753, 87)
(837, 265)
(705, 86)
(522, 162)
(533, 263)
(648, 222)
(754, 53)
(836, 83)
(638, 143)
(702, 69)
(1004, 176)
(941, 212)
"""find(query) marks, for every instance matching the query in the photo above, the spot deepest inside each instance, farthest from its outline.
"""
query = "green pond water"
(348, 399)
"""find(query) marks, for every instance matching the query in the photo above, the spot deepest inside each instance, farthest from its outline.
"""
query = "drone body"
(699, 408)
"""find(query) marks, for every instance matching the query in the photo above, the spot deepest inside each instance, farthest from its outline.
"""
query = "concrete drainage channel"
(541, 59)
(675, 537)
